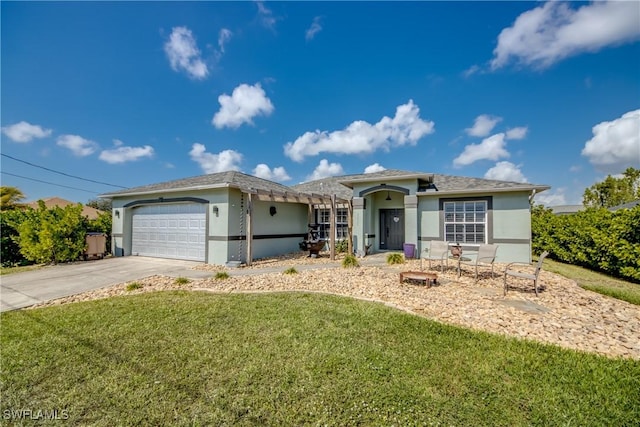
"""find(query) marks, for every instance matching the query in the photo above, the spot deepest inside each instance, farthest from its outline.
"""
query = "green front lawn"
(596, 282)
(189, 358)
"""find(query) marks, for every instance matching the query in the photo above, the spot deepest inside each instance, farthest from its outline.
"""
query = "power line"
(61, 173)
(50, 183)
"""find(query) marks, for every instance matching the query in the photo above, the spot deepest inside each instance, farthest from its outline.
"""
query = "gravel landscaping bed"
(564, 314)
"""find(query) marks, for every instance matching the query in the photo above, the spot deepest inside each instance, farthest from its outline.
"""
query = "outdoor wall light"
(215, 210)
(272, 210)
(117, 213)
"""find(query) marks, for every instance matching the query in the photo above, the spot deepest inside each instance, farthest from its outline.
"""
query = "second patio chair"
(486, 256)
(438, 251)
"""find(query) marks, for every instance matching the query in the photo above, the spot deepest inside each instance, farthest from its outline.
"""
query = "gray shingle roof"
(451, 183)
(324, 186)
(215, 180)
(376, 176)
(629, 205)
(338, 185)
(443, 183)
(566, 209)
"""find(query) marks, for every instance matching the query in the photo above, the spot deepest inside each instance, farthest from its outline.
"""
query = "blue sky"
(130, 94)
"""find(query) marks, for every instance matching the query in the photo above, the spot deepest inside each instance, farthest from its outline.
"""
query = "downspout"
(533, 193)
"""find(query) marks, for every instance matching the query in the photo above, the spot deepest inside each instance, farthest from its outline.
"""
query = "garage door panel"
(170, 231)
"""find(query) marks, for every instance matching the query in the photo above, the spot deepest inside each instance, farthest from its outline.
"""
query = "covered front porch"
(385, 218)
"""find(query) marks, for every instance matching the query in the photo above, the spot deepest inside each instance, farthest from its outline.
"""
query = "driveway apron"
(21, 290)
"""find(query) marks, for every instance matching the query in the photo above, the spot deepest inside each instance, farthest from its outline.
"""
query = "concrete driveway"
(21, 290)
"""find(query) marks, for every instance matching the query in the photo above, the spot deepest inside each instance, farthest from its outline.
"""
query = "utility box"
(96, 245)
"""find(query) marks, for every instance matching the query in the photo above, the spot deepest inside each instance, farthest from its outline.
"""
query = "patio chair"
(486, 256)
(509, 271)
(438, 251)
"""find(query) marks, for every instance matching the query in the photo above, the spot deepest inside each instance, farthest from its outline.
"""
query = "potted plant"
(456, 250)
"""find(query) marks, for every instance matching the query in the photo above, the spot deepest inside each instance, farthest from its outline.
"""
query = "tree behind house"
(613, 191)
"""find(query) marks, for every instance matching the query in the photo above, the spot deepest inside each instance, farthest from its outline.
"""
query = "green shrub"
(182, 281)
(395, 258)
(597, 239)
(133, 286)
(221, 275)
(9, 221)
(52, 235)
(342, 246)
(291, 270)
(48, 235)
(350, 261)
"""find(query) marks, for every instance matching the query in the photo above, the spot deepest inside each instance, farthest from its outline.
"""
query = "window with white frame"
(465, 221)
(324, 221)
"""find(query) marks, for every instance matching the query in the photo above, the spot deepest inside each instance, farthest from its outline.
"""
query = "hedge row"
(595, 238)
(47, 235)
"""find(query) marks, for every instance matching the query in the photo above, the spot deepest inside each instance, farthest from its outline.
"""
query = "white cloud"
(554, 31)
(223, 37)
(374, 168)
(406, 127)
(25, 132)
(227, 160)
(266, 16)
(325, 169)
(123, 154)
(78, 145)
(517, 133)
(551, 198)
(470, 71)
(183, 53)
(616, 144)
(492, 148)
(278, 174)
(483, 125)
(505, 171)
(242, 106)
(314, 29)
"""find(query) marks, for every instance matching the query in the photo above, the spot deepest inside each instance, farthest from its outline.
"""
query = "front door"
(391, 229)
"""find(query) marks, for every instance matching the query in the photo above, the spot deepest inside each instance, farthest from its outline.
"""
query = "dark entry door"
(391, 229)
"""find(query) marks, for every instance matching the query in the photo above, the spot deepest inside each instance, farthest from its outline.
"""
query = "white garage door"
(170, 231)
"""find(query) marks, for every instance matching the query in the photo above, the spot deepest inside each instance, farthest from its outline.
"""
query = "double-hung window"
(465, 221)
(324, 220)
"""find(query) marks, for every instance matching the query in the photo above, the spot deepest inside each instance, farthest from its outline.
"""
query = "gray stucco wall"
(280, 233)
(226, 224)
(508, 224)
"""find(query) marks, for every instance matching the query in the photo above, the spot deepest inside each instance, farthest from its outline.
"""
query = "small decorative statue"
(456, 250)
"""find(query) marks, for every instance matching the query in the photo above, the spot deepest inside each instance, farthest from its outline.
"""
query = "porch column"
(357, 224)
(332, 228)
(249, 229)
(411, 221)
(349, 228)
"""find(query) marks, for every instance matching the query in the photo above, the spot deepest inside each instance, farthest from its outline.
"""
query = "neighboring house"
(50, 202)
(628, 205)
(571, 209)
(230, 216)
(566, 209)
